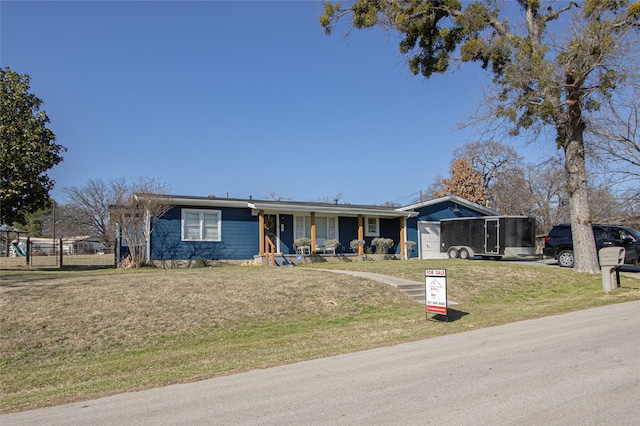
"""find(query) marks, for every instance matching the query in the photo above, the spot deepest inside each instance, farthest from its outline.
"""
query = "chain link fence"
(42, 253)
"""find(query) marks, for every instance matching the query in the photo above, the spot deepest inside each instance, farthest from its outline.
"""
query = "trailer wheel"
(452, 252)
(464, 253)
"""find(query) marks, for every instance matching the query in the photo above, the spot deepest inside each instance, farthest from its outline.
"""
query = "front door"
(492, 236)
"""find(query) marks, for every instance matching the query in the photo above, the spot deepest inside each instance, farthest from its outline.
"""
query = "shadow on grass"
(452, 315)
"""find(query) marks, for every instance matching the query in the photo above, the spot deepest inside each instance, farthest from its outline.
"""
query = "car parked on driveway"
(559, 243)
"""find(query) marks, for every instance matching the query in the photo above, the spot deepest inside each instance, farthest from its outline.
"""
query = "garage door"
(430, 240)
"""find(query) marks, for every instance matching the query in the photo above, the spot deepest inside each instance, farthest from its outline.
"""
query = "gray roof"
(281, 206)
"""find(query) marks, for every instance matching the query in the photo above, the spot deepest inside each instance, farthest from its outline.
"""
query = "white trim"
(147, 235)
(453, 199)
(332, 210)
(304, 218)
(201, 213)
(368, 233)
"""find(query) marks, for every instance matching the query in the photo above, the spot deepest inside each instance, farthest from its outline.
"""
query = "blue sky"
(240, 98)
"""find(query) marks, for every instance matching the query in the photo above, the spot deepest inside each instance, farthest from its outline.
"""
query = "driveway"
(628, 270)
(580, 368)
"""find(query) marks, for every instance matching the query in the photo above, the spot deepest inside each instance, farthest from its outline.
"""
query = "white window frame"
(201, 214)
(369, 233)
(305, 221)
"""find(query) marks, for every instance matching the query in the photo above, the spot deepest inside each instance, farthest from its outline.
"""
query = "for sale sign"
(436, 289)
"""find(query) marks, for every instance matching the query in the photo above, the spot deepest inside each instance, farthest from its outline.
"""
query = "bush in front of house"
(355, 244)
(409, 245)
(382, 245)
(302, 242)
(332, 244)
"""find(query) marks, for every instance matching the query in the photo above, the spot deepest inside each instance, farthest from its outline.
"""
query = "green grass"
(73, 335)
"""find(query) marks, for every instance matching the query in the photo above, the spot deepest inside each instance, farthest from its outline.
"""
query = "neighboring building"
(245, 229)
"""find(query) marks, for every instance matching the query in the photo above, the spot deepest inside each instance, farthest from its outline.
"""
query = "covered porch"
(326, 230)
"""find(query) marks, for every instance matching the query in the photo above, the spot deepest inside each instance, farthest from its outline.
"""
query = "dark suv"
(559, 243)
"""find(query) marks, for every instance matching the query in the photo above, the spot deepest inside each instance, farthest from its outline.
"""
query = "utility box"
(611, 259)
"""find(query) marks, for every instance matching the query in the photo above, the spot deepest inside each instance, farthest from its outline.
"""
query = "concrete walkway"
(415, 290)
(396, 282)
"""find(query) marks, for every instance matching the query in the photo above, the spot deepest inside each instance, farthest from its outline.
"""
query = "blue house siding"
(348, 228)
(239, 237)
(390, 228)
(412, 235)
(444, 210)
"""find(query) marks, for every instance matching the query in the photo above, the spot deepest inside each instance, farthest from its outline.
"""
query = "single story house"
(194, 227)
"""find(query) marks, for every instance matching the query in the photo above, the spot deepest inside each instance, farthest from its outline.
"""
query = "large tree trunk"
(584, 247)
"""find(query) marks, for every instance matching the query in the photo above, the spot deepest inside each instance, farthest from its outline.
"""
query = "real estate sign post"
(436, 291)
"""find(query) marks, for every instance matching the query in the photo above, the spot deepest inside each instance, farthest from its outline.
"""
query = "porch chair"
(302, 246)
(330, 246)
(321, 245)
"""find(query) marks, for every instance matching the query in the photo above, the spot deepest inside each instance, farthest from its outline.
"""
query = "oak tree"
(465, 182)
(551, 69)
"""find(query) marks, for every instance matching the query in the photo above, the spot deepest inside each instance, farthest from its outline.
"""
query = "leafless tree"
(436, 187)
(330, 199)
(98, 208)
(489, 158)
(135, 212)
(512, 192)
(275, 196)
(533, 190)
(88, 207)
(614, 142)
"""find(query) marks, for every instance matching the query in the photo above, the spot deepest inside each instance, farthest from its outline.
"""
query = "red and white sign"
(436, 291)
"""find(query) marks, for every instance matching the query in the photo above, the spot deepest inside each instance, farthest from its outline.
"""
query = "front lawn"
(73, 335)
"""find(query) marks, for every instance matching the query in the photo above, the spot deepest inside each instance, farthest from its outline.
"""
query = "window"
(201, 225)
(372, 227)
(326, 227)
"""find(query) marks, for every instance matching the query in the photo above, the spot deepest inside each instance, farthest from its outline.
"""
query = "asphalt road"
(581, 368)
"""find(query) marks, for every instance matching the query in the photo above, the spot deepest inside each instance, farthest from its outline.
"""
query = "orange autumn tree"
(465, 182)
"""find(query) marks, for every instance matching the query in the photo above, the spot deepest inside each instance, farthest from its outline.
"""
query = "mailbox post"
(611, 258)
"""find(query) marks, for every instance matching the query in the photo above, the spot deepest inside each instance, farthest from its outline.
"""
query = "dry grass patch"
(94, 332)
(99, 311)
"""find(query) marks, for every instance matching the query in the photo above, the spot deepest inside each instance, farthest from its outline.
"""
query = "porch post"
(313, 232)
(403, 222)
(360, 234)
(261, 230)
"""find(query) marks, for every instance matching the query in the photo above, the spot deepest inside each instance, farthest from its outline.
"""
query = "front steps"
(415, 291)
